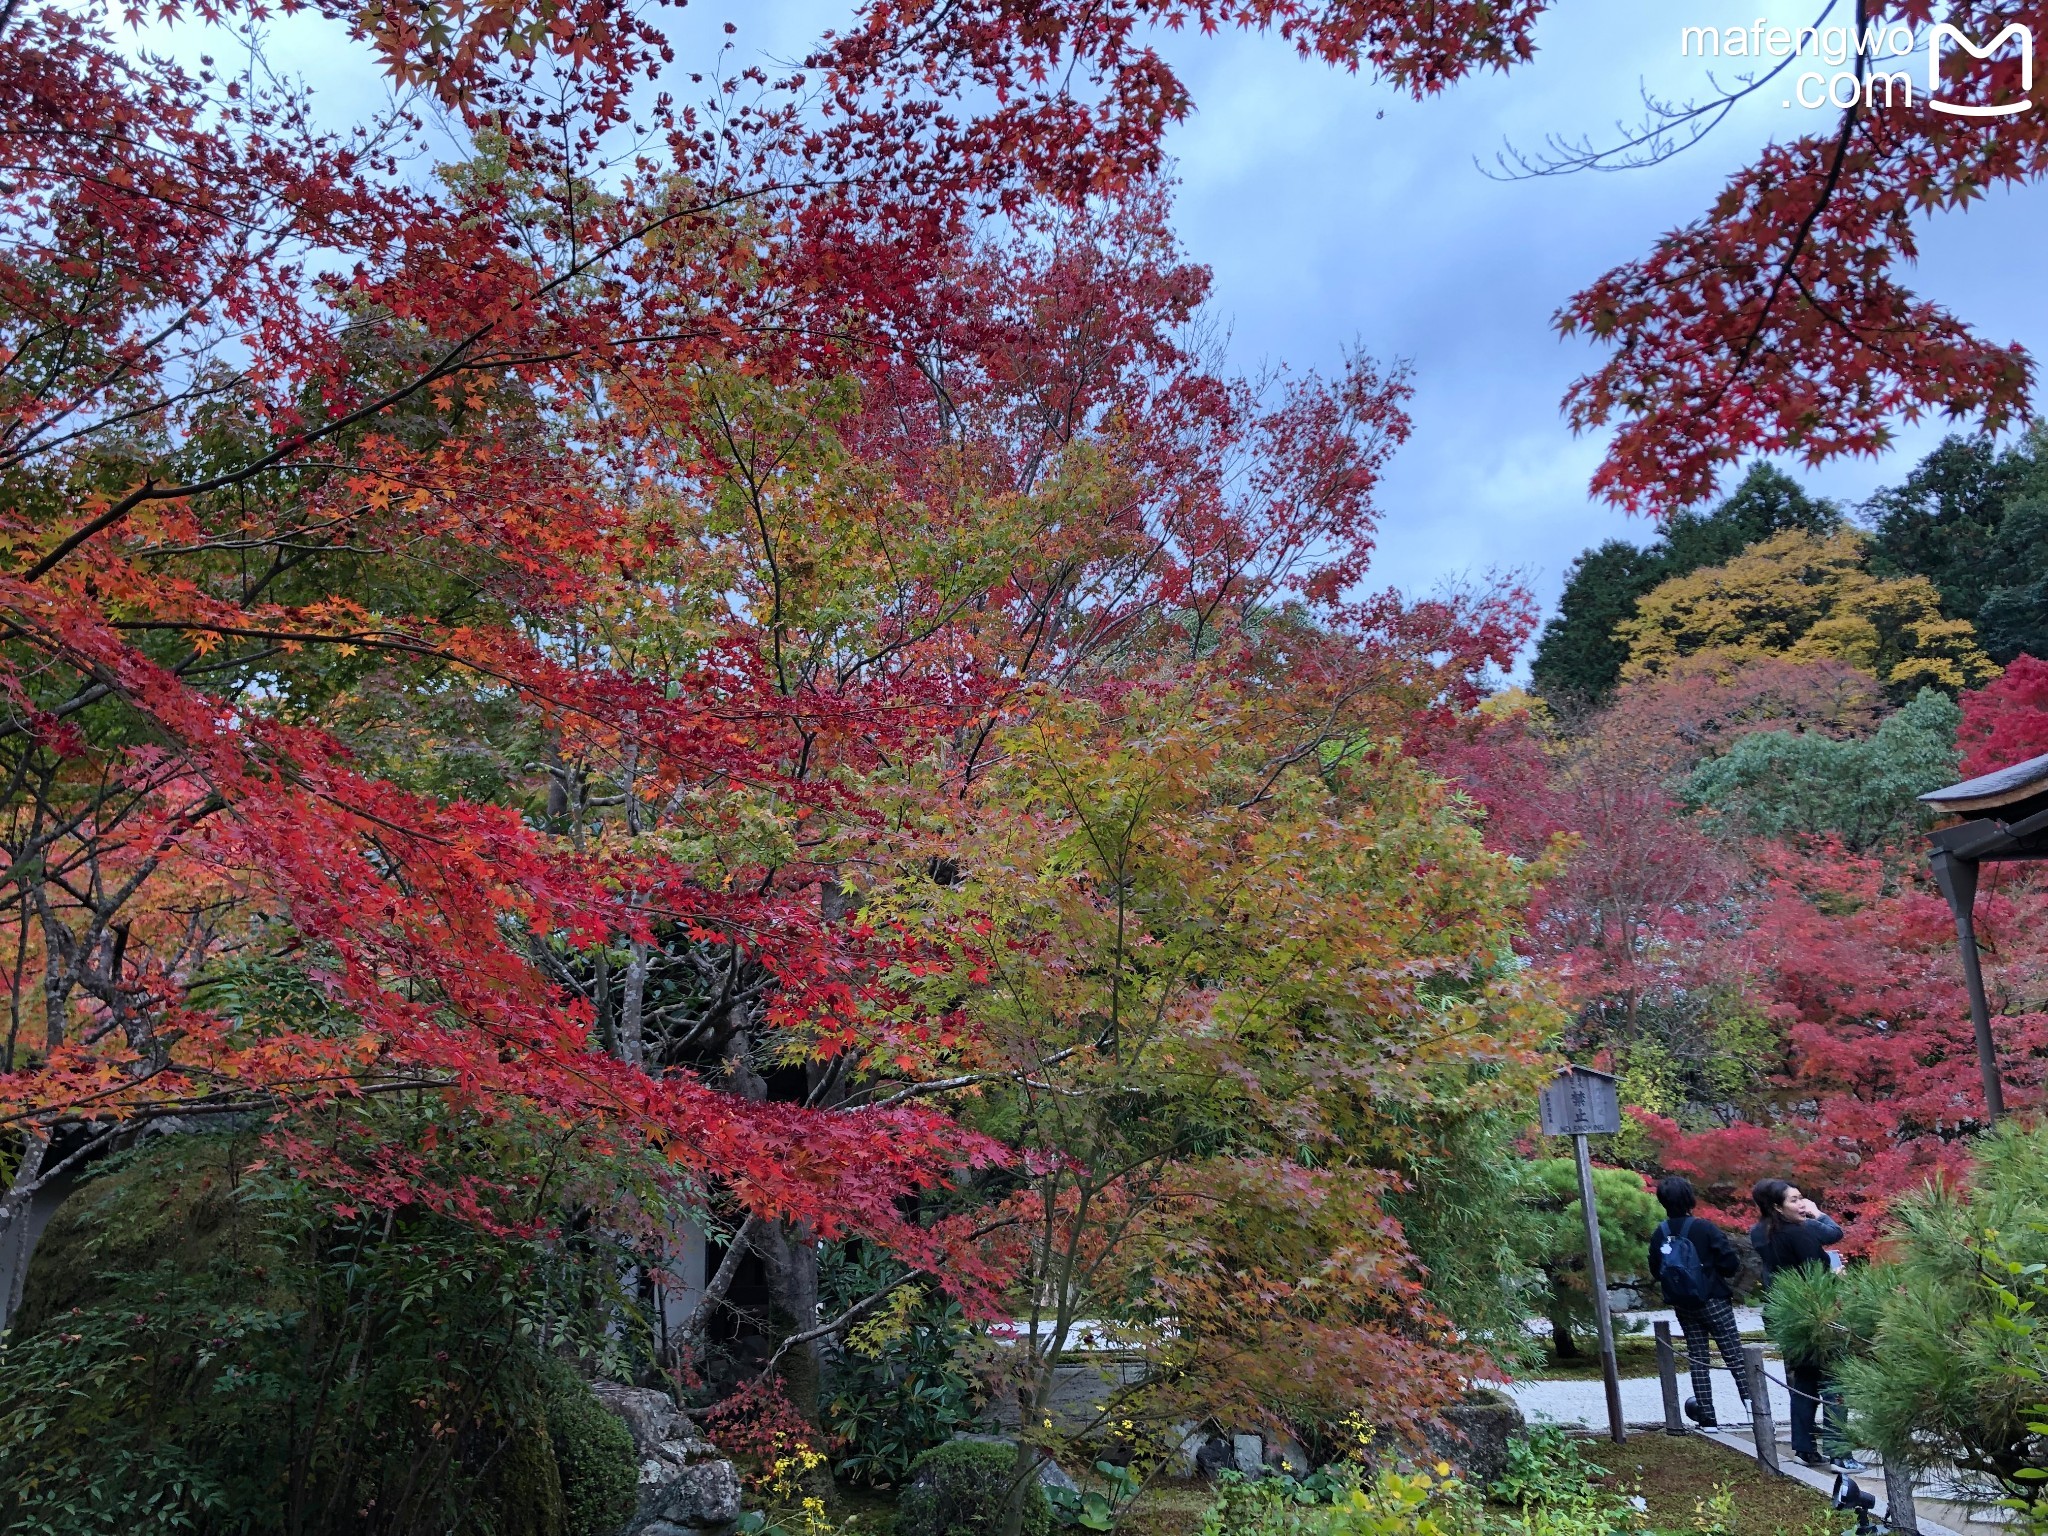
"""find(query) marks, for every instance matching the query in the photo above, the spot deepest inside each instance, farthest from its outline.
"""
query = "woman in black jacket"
(1707, 1319)
(1795, 1235)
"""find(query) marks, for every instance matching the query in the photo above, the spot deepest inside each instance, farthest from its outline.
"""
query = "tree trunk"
(789, 1261)
(632, 1007)
(789, 1255)
(14, 1218)
(1562, 1345)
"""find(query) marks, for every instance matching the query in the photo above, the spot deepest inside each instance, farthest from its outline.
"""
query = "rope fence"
(1900, 1514)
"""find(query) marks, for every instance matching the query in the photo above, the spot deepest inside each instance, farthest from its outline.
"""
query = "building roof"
(1996, 790)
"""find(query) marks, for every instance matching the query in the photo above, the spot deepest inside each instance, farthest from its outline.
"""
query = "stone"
(686, 1489)
(1052, 1475)
(1248, 1454)
(1473, 1435)
(1216, 1455)
(1750, 1278)
(651, 1416)
(1288, 1455)
(706, 1493)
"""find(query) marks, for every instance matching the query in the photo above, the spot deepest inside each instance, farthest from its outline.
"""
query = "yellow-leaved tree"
(1807, 598)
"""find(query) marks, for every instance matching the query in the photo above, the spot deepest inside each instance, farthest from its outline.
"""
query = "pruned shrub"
(1942, 1351)
(959, 1489)
(594, 1457)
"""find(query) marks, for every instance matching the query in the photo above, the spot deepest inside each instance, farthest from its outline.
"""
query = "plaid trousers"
(1715, 1321)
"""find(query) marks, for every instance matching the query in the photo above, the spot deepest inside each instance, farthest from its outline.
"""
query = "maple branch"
(1793, 252)
(826, 1330)
(79, 1110)
(450, 362)
(106, 519)
(721, 1282)
(968, 1080)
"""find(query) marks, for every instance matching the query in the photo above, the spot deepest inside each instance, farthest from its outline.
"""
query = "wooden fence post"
(1760, 1408)
(1667, 1378)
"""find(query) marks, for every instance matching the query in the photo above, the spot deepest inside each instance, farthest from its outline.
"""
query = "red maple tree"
(479, 593)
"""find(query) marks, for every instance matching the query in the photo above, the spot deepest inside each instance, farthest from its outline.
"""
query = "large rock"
(704, 1496)
(1216, 1455)
(651, 1417)
(686, 1488)
(1473, 1435)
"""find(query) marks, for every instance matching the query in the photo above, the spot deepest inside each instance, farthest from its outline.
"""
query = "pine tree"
(1974, 521)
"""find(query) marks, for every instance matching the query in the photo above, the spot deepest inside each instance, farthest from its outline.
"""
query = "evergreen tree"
(1780, 784)
(1974, 521)
(1578, 659)
(1767, 502)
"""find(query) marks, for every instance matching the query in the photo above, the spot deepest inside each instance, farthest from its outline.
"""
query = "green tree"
(1777, 783)
(1942, 1352)
(1629, 1213)
(1579, 658)
(1974, 520)
(1766, 502)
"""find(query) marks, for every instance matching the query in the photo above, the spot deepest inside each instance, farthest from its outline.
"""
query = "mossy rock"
(957, 1489)
(170, 1208)
(525, 1496)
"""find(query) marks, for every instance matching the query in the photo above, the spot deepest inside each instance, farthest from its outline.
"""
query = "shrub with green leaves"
(1546, 1465)
(594, 1458)
(960, 1488)
(1818, 1315)
(208, 1344)
(900, 1386)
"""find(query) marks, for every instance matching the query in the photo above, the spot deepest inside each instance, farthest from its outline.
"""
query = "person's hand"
(1805, 1209)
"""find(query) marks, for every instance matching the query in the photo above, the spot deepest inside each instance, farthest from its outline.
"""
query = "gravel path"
(1642, 1401)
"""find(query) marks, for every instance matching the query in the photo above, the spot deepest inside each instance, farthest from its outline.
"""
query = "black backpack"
(1682, 1275)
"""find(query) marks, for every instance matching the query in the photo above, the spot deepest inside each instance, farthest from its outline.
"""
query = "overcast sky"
(1336, 213)
(1326, 222)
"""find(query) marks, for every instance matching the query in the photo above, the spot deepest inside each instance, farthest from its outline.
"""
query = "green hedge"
(594, 1457)
(957, 1489)
(203, 1347)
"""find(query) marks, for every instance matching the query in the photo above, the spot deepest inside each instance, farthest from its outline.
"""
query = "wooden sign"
(1580, 1102)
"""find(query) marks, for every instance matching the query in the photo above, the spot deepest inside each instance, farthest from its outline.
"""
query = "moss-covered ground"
(1678, 1476)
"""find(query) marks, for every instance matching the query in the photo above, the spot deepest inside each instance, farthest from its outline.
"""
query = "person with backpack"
(1795, 1235)
(1693, 1261)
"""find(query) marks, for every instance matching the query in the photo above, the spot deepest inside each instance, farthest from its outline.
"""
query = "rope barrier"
(1708, 1360)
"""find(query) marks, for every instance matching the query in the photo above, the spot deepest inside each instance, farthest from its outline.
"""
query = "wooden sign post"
(1581, 1103)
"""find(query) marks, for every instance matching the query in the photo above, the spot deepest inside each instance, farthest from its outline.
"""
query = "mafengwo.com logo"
(1871, 67)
